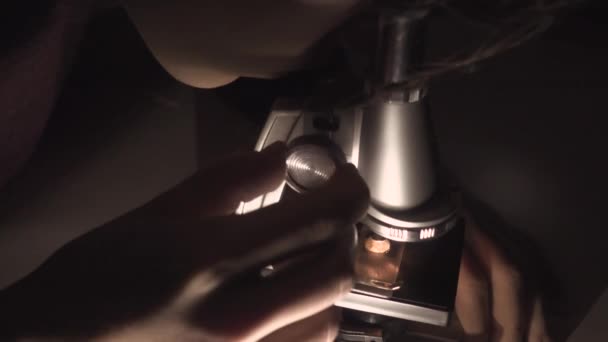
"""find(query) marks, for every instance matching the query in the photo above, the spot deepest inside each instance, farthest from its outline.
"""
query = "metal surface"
(410, 235)
(399, 45)
(440, 208)
(397, 166)
(431, 220)
(395, 156)
(382, 306)
(311, 161)
(390, 149)
(360, 333)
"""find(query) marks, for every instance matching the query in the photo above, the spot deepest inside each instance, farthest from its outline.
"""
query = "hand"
(184, 268)
(493, 302)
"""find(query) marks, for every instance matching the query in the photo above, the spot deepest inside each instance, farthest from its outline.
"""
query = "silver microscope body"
(409, 243)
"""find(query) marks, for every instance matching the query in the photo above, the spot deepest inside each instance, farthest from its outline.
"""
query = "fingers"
(344, 197)
(242, 179)
(219, 189)
(473, 299)
(236, 244)
(506, 288)
(537, 331)
(322, 327)
(306, 219)
(249, 309)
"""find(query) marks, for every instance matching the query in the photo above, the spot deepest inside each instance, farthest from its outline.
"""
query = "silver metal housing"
(395, 156)
(381, 306)
(421, 214)
(390, 146)
(388, 140)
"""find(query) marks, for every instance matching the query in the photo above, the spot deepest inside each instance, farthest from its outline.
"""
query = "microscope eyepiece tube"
(396, 155)
(399, 46)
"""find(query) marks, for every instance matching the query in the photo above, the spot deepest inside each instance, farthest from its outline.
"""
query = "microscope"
(408, 246)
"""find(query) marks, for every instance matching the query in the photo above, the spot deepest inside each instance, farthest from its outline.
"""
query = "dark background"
(523, 136)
